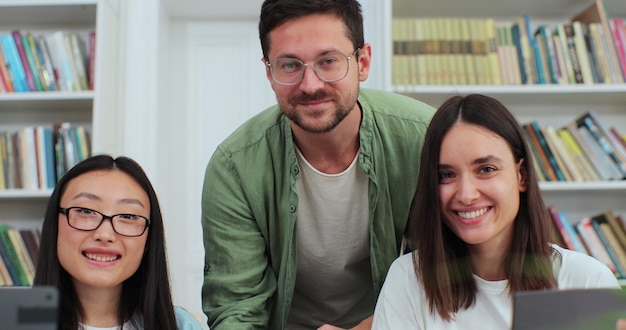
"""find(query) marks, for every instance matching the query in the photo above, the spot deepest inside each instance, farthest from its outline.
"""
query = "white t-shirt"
(333, 277)
(402, 303)
(184, 321)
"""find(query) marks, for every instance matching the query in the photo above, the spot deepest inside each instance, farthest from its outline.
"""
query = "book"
(619, 38)
(572, 52)
(612, 148)
(608, 241)
(523, 53)
(599, 52)
(567, 158)
(48, 74)
(45, 157)
(5, 79)
(28, 158)
(612, 172)
(552, 161)
(7, 270)
(564, 234)
(30, 80)
(587, 151)
(544, 38)
(559, 53)
(596, 13)
(13, 63)
(542, 160)
(13, 259)
(77, 53)
(552, 141)
(4, 274)
(61, 61)
(31, 241)
(585, 168)
(617, 137)
(594, 245)
(34, 61)
(581, 52)
(568, 67)
(616, 226)
(22, 255)
(92, 59)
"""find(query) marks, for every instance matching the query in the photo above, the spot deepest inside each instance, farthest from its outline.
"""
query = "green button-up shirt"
(249, 207)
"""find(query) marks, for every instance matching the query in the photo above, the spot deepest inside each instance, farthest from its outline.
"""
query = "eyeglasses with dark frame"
(125, 224)
(329, 67)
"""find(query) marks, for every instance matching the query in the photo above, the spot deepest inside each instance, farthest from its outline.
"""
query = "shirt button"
(295, 170)
(292, 208)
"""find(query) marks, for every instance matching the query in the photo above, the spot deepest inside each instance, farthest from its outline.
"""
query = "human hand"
(620, 324)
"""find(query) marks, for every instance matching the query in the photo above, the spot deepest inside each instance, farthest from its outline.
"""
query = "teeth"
(100, 258)
(472, 214)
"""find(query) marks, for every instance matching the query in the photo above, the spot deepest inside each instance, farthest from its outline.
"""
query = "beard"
(305, 120)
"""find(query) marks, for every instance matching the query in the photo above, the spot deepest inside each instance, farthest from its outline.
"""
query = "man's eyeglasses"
(329, 68)
(85, 219)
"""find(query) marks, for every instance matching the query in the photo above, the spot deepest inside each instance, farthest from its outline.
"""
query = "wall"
(190, 81)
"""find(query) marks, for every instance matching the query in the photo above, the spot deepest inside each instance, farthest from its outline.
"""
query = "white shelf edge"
(512, 89)
(582, 186)
(25, 193)
(26, 3)
(47, 96)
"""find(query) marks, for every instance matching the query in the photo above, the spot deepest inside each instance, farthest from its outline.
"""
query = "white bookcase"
(96, 110)
(549, 104)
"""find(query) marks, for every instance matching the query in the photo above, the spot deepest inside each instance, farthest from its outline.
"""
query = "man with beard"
(305, 205)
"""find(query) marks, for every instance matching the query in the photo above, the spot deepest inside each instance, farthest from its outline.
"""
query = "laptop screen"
(28, 308)
(595, 309)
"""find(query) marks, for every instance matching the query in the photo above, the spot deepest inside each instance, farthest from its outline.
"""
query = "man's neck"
(331, 152)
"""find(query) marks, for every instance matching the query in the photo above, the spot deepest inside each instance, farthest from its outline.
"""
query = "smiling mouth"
(101, 258)
(473, 214)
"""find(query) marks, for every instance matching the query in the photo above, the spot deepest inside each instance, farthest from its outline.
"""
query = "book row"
(590, 49)
(19, 251)
(59, 61)
(601, 235)
(36, 157)
(582, 150)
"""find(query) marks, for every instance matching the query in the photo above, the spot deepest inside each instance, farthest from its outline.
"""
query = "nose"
(467, 190)
(311, 82)
(105, 231)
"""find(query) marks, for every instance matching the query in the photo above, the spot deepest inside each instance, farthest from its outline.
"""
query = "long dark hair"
(147, 292)
(441, 260)
(277, 12)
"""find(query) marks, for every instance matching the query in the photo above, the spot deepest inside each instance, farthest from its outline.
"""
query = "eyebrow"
(321, 53)
(477, 161)
(91, 196)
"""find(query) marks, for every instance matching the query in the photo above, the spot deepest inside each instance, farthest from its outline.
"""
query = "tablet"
(595, 309)
(28, 308)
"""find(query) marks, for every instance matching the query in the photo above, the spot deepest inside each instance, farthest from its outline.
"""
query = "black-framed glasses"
(125, 224)
(330, 67)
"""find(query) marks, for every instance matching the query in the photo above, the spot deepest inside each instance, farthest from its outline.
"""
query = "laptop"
(28, 308)
(572, 309)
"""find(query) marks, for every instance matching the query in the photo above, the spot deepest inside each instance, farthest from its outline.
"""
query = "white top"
(402, 302)
(333, 276)
(184, 321)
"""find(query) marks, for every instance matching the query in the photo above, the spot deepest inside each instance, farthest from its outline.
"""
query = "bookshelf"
(548, 104)
(93, 109)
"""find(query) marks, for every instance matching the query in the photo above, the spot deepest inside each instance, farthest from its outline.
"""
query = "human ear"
(522, 174)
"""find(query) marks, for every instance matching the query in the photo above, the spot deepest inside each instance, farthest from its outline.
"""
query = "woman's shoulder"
(185, 320)
(578, 270)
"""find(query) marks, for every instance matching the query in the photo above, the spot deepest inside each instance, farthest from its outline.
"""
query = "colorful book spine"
(13, 63)
(30, 80)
